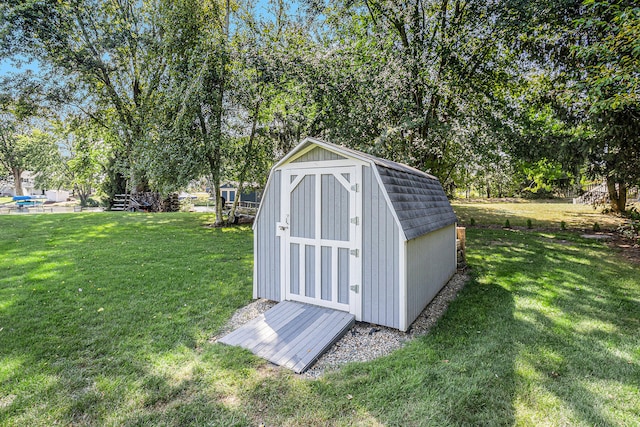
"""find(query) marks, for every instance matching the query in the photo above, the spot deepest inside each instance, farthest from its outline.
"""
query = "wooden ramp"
(292, 334)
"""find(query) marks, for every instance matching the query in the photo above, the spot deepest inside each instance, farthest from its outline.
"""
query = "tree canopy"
(489, 94)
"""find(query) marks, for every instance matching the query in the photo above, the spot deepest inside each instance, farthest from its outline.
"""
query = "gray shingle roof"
(417, 197)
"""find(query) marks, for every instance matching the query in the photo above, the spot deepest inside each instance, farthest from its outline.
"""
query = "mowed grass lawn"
(107, 319)
(547, 214)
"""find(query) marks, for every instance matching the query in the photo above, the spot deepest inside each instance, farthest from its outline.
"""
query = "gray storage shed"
(346, 230)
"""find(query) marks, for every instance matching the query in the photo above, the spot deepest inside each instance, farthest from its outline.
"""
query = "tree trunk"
(83, 193)
(17, 180)
(218, 198)
(215, 156)
(617, 195)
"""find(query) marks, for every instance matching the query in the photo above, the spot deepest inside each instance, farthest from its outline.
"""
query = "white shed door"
(321, 255)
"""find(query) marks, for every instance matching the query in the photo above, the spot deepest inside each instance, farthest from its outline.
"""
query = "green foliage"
(596, 226)
(529, 224)
(563, 225)
(613, 59)
(543, 176)
(87, 149)
(472, 222)
(186, 204)
(507, 224)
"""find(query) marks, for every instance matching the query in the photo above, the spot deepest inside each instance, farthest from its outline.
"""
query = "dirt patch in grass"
(627, 248)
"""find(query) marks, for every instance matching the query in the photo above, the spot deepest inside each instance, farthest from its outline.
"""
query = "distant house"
(29, 188)
(8, 188)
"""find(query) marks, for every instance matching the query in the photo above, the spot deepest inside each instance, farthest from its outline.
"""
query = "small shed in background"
(229, 191)
(346, 230)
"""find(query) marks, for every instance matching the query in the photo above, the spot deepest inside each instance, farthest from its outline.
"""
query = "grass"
(104, 316)
(546, 214)
(546, 333)
(4, 200)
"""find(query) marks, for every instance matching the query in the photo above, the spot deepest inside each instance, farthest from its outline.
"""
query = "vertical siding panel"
(375, 249)
(345, 208)
(326, 273)
(389, 276)
(380, 256)
(382, 265)
(294, 265)
(431, 263)
(302, 208)
(310, 208)
(310, 271)
(367, 282)
(396, 275)
(268, 244)
(343, 275)
(335, 209)
(318, 154)
(325, 215)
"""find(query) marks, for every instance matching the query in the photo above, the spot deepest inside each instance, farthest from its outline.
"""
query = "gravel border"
(364, 342)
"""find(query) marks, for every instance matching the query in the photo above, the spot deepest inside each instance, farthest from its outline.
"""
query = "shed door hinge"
(355, 220)
(355, 187)
(355, 252)
(355, 288)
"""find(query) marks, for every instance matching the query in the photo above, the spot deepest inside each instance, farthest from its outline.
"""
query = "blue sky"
(6, 67)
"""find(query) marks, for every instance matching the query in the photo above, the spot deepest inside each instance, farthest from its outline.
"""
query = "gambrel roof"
(417, 198)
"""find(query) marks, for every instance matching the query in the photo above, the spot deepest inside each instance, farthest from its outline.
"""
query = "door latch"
(355, 252)
(355, 288)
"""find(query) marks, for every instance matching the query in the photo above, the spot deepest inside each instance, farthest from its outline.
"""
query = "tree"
(85, 152)
(406, 79)
(21, 146)
(110, 53)
(189, 125)
(588, 54)
(612, 89)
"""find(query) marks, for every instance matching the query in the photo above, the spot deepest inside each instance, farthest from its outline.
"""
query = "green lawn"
(106, 319)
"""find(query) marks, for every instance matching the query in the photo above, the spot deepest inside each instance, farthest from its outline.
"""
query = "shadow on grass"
(576, 324)
(546, 332)
(103, 318)
(462, 373)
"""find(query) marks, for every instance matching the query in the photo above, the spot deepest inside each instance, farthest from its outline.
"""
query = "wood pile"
(146, 202)
(171, 203)
(461, 243)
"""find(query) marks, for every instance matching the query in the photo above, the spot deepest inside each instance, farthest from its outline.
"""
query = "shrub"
(472, 222)
(529, 224)
(596, 226)
(92, 203)
(563, 225)
(507, 224)
(186, 204)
